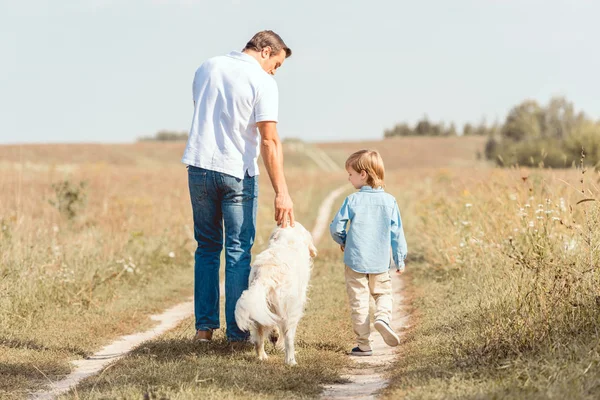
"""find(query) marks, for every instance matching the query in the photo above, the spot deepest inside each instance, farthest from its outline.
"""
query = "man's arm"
(272, 154)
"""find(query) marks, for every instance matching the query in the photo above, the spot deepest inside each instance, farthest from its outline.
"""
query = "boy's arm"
(339, 223)
(399, 247)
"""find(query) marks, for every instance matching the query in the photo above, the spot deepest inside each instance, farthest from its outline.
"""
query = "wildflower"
(531, 224)
(55, 229)
(570, 245)
(539, 211)
(468, 205)
(548, 212)
(562, 205)
(465, 223)
(527, 205)
(555, 219)
(171, 254)
(512, 196)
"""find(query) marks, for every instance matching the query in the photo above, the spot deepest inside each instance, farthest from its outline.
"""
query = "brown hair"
(371, 162)
(268, 39)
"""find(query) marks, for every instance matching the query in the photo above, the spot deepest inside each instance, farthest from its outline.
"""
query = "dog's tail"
(253, 308)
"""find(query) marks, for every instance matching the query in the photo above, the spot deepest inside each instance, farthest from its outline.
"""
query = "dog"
(277, 289)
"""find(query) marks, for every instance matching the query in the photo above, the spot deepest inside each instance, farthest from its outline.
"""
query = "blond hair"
(371, 162)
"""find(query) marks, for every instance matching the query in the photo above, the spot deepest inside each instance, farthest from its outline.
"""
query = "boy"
(375, 227)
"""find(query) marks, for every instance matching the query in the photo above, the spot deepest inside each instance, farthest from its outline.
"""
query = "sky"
(112, 71)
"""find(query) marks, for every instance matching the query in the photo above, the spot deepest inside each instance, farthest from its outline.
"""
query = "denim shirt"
(375, 229)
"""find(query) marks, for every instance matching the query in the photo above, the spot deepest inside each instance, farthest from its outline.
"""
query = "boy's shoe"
(361, 353)
(203, 336)
(385, 330)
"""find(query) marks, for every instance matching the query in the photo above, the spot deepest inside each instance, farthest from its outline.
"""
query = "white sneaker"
(385, 330)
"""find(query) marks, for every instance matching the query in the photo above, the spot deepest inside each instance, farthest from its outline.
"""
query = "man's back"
(231, 94)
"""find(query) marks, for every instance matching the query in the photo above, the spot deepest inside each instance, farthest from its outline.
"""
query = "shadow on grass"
(32, 345)
(176, 364)
(17, 378)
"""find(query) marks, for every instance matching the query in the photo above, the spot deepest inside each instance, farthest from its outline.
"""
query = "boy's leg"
(380, 286)
(357, 287)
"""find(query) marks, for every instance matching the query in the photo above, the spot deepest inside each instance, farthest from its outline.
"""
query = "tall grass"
(508, 301)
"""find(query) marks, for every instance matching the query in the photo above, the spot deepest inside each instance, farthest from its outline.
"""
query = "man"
(235, 119)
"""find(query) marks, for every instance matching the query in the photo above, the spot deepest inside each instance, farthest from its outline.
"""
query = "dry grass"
(172, 367)
(507, 287)
(502, 309)
(69, 286)
(415, 152)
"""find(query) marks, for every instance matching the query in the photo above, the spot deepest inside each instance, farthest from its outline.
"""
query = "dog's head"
(295, 235)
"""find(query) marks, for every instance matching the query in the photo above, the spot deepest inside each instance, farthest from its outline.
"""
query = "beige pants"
(359, 286)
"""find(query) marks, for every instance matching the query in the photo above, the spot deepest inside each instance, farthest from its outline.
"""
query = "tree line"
(552, 135)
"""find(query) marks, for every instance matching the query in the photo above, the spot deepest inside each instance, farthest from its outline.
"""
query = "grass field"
(502, 275)
(71, 284)
(505, 291)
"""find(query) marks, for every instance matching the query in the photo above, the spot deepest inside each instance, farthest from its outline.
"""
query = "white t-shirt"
(231, 94)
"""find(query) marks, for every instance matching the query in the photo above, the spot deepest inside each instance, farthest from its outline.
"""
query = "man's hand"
(342, 247)
(284, 210)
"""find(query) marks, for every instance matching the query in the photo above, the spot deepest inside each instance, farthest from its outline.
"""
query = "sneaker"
(385, 330)
(361, 353)
(203, 336)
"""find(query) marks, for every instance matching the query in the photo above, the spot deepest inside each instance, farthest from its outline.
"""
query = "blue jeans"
(220, 200)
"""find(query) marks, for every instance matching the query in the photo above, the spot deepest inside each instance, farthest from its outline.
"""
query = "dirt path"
(367, 377)
(168, 320)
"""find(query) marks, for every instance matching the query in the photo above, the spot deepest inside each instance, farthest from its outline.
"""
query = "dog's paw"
(291, 362)
(263, 356)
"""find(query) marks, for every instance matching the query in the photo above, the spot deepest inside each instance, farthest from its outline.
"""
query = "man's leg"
(208, 232)
(239, 215)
